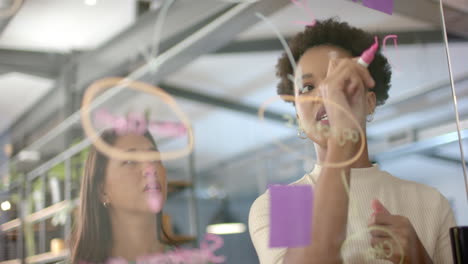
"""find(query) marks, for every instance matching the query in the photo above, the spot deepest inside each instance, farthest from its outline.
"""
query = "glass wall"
(283, 147)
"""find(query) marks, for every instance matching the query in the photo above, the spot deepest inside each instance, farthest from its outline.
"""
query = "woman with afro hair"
(360, 213)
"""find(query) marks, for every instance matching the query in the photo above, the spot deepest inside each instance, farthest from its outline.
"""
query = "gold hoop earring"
(300, 131)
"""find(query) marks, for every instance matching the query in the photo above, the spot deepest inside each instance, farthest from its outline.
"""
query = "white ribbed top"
(428, 211)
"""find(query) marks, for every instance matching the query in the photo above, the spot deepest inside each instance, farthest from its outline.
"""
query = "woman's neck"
(362, 162)
(134, 235)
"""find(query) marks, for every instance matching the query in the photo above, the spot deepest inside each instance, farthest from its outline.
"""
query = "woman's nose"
(149, 170)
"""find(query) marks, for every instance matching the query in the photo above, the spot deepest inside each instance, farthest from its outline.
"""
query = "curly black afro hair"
(339, 34)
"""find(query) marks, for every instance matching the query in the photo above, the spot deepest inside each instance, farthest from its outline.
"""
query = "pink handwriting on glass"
(137, 123)
(205, 254)
(395, 43)
(303, 4)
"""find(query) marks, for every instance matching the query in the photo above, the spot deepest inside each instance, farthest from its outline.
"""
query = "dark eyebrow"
(150, 148)
(307, 76)
(131, 150)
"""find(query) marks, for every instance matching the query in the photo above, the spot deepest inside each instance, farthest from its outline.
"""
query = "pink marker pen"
(368, 55)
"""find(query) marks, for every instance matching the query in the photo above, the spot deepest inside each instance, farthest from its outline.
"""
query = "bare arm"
(343, 86)
(329, 217)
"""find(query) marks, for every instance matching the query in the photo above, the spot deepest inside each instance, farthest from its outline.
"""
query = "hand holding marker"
(368, 55)
(365, 59)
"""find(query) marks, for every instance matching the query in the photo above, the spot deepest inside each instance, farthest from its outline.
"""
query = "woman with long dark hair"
(120, 204)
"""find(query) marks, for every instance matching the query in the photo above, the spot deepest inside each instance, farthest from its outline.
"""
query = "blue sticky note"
(291, 209)
(385, 6)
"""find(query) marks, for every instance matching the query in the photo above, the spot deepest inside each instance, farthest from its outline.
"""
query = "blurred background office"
(216, 58)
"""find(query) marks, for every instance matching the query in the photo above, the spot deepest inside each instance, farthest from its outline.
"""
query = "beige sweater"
(425, 207)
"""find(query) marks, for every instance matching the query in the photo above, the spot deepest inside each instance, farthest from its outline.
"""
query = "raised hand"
(396, 236)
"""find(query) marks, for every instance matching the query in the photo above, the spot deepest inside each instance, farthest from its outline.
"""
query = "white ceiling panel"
(18, 93)
(228, 75)
(57, 25)
(346, 10)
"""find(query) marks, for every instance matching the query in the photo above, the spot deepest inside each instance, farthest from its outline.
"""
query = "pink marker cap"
(368, 55)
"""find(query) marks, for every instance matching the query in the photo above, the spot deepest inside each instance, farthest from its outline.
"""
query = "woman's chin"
(151, 209)
(321, 141)
(155, 202)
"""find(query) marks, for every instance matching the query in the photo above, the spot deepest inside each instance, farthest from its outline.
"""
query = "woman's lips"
(154, 196)
(325, 122)
(152, 187)
(321, 114)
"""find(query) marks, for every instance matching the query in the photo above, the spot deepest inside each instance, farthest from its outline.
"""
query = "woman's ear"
(102, 194)
(371, 102)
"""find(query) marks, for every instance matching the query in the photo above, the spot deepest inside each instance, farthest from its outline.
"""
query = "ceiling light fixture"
(226, 228)
(5, 206)
(224, 222)
(90, 2)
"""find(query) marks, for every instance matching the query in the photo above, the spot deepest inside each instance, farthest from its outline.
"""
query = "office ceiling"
(420, 97)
